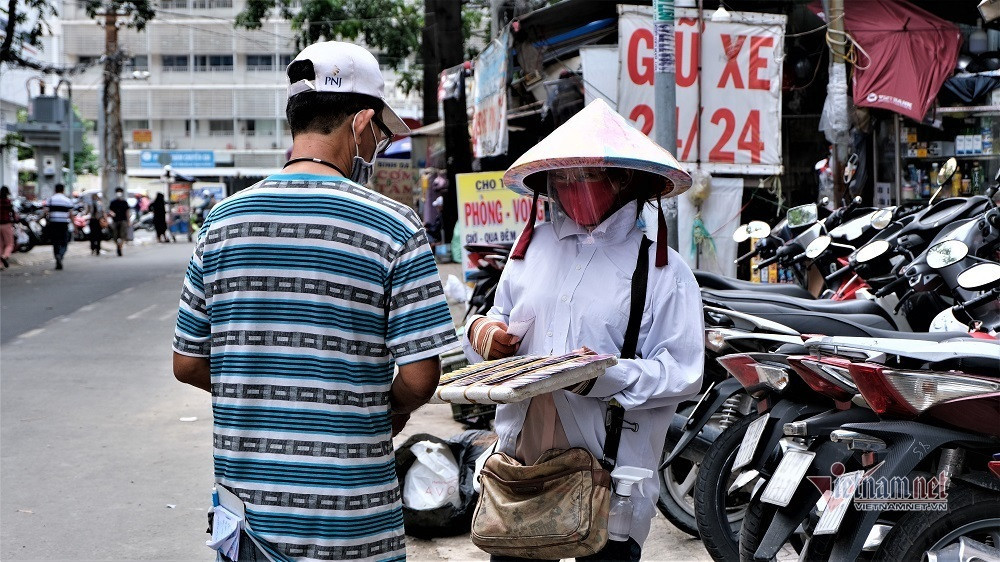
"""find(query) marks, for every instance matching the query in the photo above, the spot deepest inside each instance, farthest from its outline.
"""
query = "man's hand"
(490, 339)
(413, 386)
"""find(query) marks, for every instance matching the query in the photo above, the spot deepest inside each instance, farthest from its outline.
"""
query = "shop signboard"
(489, 213)
(396, 178)
(489, 121)
(177, 158)
(738, 130)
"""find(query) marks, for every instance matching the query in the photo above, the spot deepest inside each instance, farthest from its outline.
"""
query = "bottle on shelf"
(956, 183)
(925, 184)
(978, 178)
(934, 173)
(986, 130)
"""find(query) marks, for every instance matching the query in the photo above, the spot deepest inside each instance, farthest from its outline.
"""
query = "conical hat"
(597, 136)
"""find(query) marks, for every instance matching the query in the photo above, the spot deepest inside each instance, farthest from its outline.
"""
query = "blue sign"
(177, 158)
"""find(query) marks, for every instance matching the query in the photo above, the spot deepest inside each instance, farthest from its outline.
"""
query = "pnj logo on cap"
(332, 78)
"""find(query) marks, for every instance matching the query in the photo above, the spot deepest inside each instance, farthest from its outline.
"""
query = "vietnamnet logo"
(873, 97)
(879, 493)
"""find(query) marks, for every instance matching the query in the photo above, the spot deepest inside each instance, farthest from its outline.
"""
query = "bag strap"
(615, 417)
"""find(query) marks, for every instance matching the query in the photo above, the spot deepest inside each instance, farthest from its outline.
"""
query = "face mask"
(361, 171)
(586, 201)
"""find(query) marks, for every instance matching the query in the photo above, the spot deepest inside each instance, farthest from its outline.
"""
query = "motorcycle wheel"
(718, 513)
(973, 513)
(757, 519)
(676, 484)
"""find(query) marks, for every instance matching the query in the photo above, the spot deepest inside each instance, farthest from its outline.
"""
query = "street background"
(103, 454)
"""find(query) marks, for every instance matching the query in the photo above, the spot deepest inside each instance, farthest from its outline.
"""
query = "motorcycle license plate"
(749, 445)
(839, 501)
(787, 477)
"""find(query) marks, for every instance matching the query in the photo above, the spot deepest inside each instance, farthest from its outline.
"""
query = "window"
(220, 127)
(138, 62)
(211, 4)
(187, 127)
(174, 4)
(285, 60)
(385, 61)
(174, 63)
(132, 124)
(213, 63)
(260, 62)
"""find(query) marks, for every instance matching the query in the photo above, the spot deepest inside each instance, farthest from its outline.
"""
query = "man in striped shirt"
(58, 212)
(303, 293)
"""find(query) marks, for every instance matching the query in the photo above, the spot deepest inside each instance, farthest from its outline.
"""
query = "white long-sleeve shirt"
(577, 289)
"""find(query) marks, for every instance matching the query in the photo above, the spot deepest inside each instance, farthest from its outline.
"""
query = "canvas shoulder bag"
(557, 507)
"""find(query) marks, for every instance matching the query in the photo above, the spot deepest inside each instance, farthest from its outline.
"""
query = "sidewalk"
(42, 255)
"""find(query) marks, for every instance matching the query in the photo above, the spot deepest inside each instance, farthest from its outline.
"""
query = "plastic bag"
(432, 481)
(455, 291)
(449, 519)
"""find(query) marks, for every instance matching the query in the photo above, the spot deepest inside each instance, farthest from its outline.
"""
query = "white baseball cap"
(349, 69)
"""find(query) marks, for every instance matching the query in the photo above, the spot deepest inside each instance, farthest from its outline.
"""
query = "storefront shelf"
(962, 157)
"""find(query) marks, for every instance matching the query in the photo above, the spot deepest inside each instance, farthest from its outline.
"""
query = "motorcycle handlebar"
(838, 273)
(766, 262)
(747, 255)
(890, 287)
(988, 295)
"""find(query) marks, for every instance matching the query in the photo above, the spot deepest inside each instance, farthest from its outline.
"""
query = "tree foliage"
(392, 27)
(132, 13)
(24, 27)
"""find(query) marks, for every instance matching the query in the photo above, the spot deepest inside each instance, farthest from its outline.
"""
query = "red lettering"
(640, 74)
(691, 137)
(757, 63)
(644, 112)
(717, 154)
(686, 77)
(732, 50)
(470, 213)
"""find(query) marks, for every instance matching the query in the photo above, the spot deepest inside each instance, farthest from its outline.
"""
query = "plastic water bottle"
(620, 516)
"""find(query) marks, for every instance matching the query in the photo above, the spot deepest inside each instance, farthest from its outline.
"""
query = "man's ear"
(361, 122)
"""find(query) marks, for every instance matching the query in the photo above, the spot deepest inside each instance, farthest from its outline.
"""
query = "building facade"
(196, 91)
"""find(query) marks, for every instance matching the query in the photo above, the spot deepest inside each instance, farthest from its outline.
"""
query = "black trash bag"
(447, 520)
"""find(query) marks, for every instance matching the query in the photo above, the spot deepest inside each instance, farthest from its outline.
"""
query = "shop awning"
(910, 54)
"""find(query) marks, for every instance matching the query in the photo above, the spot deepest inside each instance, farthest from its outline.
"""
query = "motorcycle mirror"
(946, 171)
(755, 229)
(946, 253)
(818, 246)
(871, 250)
(882, 218)
(803, 215)
(980, 276)
(850, 167)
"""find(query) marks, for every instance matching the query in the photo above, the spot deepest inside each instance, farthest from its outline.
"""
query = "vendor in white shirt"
(569, 285)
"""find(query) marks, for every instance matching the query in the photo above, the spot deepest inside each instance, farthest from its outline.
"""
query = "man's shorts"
(120, 229)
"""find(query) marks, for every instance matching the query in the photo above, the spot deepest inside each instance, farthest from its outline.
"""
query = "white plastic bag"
(432, 481)
(455, 291)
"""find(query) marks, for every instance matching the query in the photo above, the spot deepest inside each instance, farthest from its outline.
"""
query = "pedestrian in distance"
(98, 222)
(571, 281)
(58, 214)
(119, 214)
(159, 207)
(8, 218)
(303, 294)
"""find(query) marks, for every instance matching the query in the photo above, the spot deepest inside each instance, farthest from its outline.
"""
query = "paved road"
(95, 460)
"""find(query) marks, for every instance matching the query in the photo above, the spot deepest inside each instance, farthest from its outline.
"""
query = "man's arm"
(197, 372)
(414, 385)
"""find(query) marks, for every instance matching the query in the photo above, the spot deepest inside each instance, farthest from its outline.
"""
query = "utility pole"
(430, 52)
(835, 15)
(456, 119)
(665, 106)
(113, 157)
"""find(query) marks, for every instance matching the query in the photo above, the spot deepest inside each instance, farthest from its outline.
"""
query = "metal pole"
(835, 15)
(69, 87)
(665, 106)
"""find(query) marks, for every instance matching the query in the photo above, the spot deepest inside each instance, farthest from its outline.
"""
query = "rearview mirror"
(947, 170)
(980, 276)
(946, 253)
(803, 215)
(882, 218)
(818, 246)
(871, 250)
(756, 229)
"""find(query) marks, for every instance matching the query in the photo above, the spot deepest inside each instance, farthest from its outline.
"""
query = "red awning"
(912, 52)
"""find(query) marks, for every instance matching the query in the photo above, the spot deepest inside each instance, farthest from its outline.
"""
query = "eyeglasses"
(386, 142)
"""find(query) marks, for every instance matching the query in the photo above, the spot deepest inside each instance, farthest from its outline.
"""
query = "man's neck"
(323, 147)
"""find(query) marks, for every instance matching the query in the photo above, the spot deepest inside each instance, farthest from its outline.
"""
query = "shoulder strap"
(615, 417)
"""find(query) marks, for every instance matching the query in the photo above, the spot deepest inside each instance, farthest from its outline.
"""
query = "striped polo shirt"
(58, 207)
(304, 291)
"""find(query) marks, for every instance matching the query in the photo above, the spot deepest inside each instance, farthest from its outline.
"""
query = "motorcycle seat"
(805, 322)
(709, 280)
(781, 302)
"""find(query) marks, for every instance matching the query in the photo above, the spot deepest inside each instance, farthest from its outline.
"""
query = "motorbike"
(490, 260)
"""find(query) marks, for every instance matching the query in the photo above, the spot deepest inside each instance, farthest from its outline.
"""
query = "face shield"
(582, 198)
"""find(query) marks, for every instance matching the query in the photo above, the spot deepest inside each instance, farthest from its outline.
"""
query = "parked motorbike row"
(865, 422)
(30, 229)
